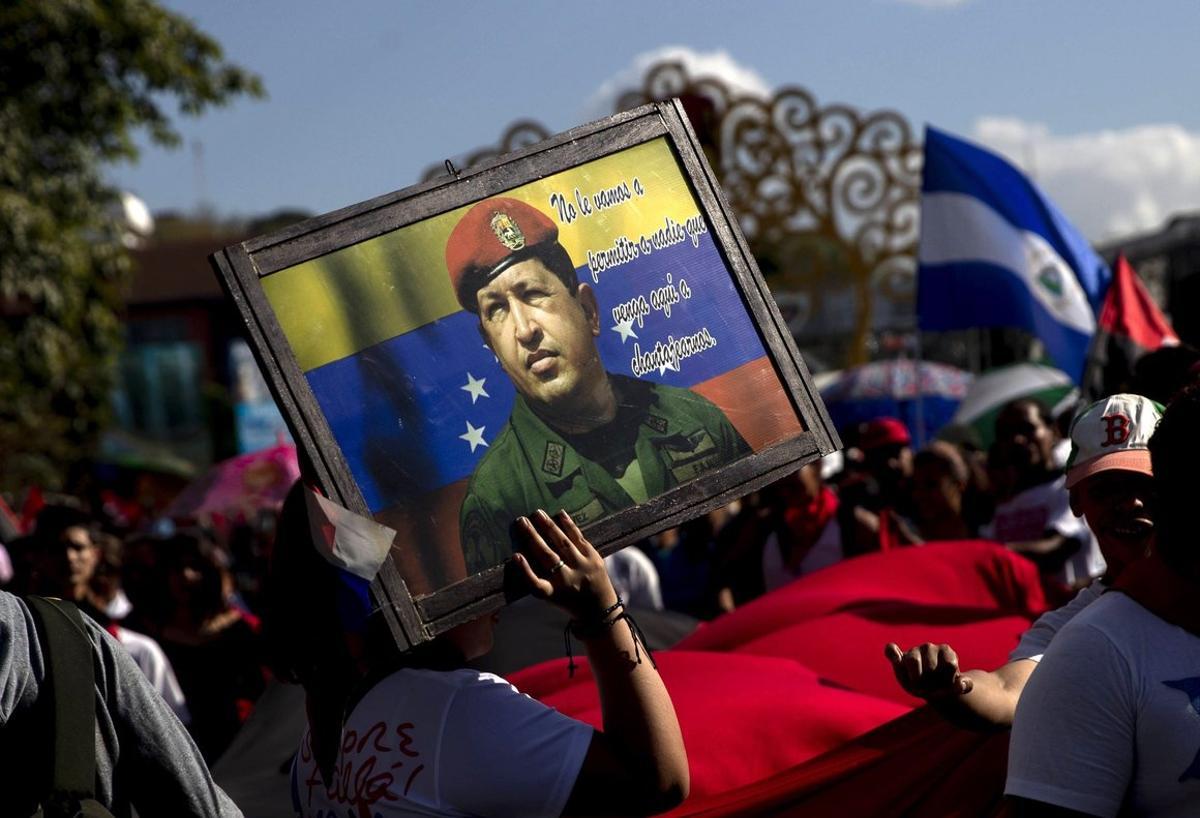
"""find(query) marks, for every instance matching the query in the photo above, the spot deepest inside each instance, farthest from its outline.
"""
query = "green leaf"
(78, 79)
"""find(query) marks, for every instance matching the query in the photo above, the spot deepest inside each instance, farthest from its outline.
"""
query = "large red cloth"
(917, 766)
(744, 718)
(791, 707)
(967, 574)
(846, 648)
(1130, 324)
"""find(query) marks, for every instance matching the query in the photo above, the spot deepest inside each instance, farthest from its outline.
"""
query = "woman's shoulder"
(439, 700)
(412, 682)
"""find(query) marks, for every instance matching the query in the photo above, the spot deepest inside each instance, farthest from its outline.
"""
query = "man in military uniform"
(579, 437)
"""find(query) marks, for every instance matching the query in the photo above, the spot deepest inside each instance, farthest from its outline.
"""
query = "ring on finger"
(558, 567)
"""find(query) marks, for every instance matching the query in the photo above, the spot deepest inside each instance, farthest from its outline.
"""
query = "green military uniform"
(669, 435)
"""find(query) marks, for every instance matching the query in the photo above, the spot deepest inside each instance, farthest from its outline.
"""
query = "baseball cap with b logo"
(1113, 433)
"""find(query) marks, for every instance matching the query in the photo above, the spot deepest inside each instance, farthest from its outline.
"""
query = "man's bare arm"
(976, 699)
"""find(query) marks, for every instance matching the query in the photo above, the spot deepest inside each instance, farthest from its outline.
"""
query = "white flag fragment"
(356, 544)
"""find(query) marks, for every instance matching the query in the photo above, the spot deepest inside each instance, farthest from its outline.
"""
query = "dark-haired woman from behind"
(419, 733)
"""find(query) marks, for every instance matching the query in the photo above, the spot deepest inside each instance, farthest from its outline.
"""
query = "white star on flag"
(668, 365)
(626, 329)
(474, 436)
(475, 387)
(489, 349)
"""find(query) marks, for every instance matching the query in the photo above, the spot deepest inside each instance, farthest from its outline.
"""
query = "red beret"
(493, 234)
(883, 432)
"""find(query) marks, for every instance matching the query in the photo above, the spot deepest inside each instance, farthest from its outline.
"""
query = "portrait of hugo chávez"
(579, 437)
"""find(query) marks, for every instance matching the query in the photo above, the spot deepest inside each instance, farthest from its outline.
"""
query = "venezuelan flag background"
(389, 354)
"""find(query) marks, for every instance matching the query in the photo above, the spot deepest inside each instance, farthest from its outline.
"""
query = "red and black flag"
(1129, 326)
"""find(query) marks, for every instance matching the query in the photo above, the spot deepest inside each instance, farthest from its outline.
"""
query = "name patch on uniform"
(590, 511)
(696, 456)
(656, 423)
(552, 461)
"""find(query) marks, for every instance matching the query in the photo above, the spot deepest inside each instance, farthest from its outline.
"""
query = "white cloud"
(1109, 183)
(709, 64)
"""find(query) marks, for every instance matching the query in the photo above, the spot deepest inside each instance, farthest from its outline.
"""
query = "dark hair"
(555, 257)
(1175, 457)
(300, 621)
(112, 550)
(1160, 374)
(552, 254)
(305, 635)
(305, 639)
(945, 456)
(53, 521)
(1042, 410)
(195, 549)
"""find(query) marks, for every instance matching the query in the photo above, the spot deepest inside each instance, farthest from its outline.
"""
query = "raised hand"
(928, 671)
(570, 571)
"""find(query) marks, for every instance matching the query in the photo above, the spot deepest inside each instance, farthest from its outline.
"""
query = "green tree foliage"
(78, 80)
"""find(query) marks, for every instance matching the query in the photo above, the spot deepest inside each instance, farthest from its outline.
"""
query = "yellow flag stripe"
(341, 303)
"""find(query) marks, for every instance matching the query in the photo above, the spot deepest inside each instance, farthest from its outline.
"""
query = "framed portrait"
(577, 325)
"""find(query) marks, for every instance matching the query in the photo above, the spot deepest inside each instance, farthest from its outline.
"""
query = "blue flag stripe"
(953, 165)
(959, 227)
(995, 252)
(996, 297)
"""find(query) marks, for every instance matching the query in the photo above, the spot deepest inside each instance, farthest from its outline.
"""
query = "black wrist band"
(607, 618)
(591, 628)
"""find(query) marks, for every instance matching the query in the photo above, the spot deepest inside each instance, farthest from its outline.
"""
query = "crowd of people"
(1086, 507)
(168, 595)
(883, 492)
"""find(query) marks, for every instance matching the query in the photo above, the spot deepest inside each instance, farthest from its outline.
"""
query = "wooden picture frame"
(356, 317)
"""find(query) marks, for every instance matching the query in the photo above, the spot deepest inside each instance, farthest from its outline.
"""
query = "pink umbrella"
(238, 488)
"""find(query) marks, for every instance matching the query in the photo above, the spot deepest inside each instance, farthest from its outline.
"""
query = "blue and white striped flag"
(995, 252)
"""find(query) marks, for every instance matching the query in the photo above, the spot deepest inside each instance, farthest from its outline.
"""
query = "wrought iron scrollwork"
(826, 195)
(520, 134)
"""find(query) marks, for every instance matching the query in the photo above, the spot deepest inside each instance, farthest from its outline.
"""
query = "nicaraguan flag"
(995, 252)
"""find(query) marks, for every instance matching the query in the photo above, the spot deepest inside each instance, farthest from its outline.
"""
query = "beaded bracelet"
(596, 627)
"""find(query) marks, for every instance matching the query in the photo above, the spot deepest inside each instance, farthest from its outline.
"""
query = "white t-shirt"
(1034, 641)
(1062, 453)
(635, 578)
(426, 742)
(1047, 508)
(1109, 719)
(825, 552)
(148, 656)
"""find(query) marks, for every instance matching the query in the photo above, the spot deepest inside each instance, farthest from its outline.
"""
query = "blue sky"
(1099, 96)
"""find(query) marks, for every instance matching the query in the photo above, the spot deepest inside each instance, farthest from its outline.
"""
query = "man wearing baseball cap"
(874, 511)
(1110, 480)
(579, 437)
(1109, 723)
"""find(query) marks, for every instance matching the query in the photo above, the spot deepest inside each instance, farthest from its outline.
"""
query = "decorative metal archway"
(827, 196)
